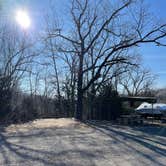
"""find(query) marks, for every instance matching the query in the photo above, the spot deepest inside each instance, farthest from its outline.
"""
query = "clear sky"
(153, 57)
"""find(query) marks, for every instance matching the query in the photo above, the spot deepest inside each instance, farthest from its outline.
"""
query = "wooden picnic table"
(130, 119)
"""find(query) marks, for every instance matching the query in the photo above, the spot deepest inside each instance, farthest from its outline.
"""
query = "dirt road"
(65, 142)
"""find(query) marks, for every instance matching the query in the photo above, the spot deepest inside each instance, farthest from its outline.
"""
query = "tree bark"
(79, 109)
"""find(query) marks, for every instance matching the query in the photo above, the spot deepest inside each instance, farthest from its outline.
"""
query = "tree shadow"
(151, 138)
(24, 153)
(77, 147)
(153, 130)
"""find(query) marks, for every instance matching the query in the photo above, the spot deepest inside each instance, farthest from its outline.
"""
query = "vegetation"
(77, 70)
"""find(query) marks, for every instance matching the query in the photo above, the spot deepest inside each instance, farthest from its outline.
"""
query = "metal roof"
(138, 98)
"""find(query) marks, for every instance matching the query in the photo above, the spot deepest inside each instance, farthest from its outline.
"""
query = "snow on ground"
(65, 142)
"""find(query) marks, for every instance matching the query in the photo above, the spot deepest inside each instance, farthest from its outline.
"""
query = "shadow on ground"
(97, 144)
(151, 137)
(52, 146)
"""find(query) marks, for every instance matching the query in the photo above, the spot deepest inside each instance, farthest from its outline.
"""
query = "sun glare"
(23, 19)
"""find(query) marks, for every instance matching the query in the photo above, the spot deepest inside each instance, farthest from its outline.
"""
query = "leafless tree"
(137, 81)
(16, 55)
(111, 30)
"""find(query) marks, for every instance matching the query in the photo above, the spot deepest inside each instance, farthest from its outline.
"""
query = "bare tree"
(16, 55)
(115, 30)
(137, 81)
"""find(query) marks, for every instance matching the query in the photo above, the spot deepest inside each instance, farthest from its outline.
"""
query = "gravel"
(66, 142)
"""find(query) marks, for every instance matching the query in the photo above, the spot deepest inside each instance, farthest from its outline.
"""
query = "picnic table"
(130, 119)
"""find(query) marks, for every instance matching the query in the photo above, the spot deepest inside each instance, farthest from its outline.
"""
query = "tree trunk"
(79, 110)
(92, 97)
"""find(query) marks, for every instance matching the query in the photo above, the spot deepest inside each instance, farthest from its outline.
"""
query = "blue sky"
(153, 57)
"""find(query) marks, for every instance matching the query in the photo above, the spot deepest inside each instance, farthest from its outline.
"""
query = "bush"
(107, 106)
(5, 96)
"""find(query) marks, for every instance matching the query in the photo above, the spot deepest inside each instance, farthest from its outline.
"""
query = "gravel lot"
(65, 142)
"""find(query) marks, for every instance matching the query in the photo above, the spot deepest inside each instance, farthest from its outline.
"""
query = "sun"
(23, 19)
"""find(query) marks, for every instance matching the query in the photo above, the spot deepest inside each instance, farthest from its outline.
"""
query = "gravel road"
(65, 142)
